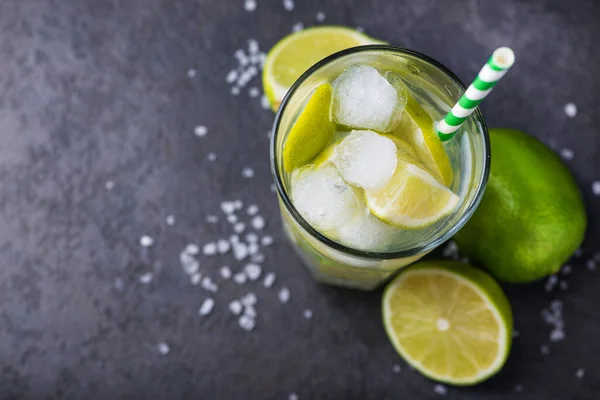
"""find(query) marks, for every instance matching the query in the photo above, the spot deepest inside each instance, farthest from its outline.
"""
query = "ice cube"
(362, 98)
(366, 159)
(367, 232)
(323, 198)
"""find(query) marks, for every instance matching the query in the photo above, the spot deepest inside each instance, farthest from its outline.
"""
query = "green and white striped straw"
(498, 64)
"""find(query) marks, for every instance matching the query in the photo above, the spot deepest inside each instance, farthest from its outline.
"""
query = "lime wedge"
(411, 199)
(311, 132)
(416, 127)
(296, 53)
(448, 320)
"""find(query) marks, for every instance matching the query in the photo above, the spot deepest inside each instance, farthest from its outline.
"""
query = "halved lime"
(296, 53)
(448, 320)
(311, 132)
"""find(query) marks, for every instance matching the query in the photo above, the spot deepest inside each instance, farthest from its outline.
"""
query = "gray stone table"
(97, 148)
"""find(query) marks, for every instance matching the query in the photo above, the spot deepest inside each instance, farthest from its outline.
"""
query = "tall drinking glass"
(436, 89)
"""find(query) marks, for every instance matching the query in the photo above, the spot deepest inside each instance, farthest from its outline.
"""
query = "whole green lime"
(531, 218)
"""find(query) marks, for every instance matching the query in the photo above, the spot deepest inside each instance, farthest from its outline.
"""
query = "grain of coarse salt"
(209, 249)
(258, 258)
(240, 251)
(253, 248)
(250, 311)
(288, 5)
(253, 271)
(163, 348)
(223, 246)
(258, 222)
(211, 157)
(225, 272)
(250, 5)
(235, 307)
(109, 185)
(240, 278)
(247, 172)
(146, 278)
(297, 27)
(596, 188)
(396, 368)
(308, 314)
(191, 73)
(146, 241)
(253, 92)
(228, 207)
(440, 389)
(212, 219)
(246, 322)
(200, 130)
(580, 373)
(232, 218)
(266, 240)
(320, 17)
(192, 249)
(252, 209)
(170, 220)
(269, 280)
(284, 295)
(567, 154)
(195, 278)
(239, 227)
(209, 285)
(570, 110)
(189, 264)
(206, 307)
(252, 237)
(249, 299)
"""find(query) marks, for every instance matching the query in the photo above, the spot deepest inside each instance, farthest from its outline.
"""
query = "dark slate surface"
(92, 91)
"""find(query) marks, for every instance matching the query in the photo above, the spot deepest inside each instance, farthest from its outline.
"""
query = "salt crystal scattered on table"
(239, 227)
(146, 278)
(264, 103)
(284, 295)
(240, 251)
(396, 368)
(227, 207)
(591, 265)
(440, 389)
(188, 262)
(211, 156)
(191, 73)
(192, 249)
(249, 5)
(223, 246)
(544, 349)
(235, 90)
(563, 285)
(209, 285)
(308, 314)
(212, 219)
(551, 283)
(258, 258)
(196, 278)
(570, 110)
(209, 249)
(206, 307)
(200, 130)
(231, 76)
(109, 185)
(557, 335)
(320, 17)
(293, 396)
(518, 388)
(225, 272)
(515, 333)
(253, 271)
(238, 204)
(266, 240)
(596, 188)
(580, 373)
(451, 250)
(247, 172)
(246, 322)
(288, 5)
(252, 237)
(232, 218)
(567, 154)
(170, 220)
(235, 307)
(298, 27)
(253, 92)
(252, 209)
(253, 248)
(250, 311)
(146, 241)
(234, 239)
(258, 222)
(249, 299)
(240, 278)
(163, 348)
(269, 280)
(566, 270)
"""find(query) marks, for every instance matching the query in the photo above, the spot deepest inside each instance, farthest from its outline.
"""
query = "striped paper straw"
(498, 64)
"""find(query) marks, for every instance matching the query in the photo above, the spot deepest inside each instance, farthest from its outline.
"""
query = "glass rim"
(375, 255)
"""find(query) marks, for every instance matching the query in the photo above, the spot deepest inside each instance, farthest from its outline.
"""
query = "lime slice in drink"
(448, 320)
(411, 199)
(296, 53)
(311, 132)
(417, 128)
